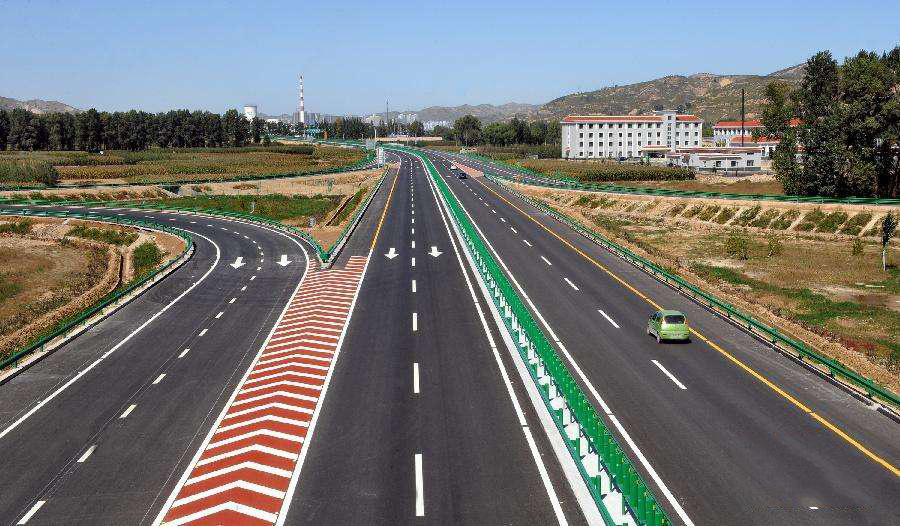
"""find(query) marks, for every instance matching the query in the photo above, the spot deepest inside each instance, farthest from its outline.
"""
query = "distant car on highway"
(454, 170)
(668, 325)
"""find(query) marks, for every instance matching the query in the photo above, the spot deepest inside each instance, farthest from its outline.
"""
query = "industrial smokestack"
(302, 112)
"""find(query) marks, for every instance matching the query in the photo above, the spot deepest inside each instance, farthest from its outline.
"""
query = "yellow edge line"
(725, 353)
(387, 204)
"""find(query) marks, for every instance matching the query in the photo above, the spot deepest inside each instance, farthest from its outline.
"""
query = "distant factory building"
(250, 112)
(616, 136)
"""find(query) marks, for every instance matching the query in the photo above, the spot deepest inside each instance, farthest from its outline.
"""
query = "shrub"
(351, 206)
(773, 247)
(737, 247)
(113, 237)
(725, 215)
(856, 223)
(858, 247)
(25, 172)
(145, 258)
(810, 220)
(708, 212)
(16, 227)
(747, 215)
(785, 220)
(597, 171)
(8, 289)
(692, 211)
(584, 200)
(675, 210)
(832, 221)
(763, 220)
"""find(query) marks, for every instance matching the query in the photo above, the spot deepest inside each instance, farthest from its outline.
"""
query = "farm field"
(172, 165)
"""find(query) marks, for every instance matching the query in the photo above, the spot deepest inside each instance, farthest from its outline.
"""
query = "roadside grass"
(599, 171)
(8, 289)
(350, 206)
(271, 206)
(16, 227)
(104, 235)
(27, 171)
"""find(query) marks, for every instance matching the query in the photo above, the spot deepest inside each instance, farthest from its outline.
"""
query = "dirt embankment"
(51, 276)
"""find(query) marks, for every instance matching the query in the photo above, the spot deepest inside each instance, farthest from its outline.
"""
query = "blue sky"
(354, 55)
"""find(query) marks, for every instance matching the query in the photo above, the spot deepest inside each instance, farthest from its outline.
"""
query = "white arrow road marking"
(284, 261)
(392, 253)
(239, 262)
(434, 252)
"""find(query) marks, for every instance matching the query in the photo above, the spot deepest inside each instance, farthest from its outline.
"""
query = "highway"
(98, 430)
(382, 391)
(736, 433)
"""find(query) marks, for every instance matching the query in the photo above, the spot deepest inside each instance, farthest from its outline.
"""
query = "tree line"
(468, 131)
(847, 141)
(93, 131)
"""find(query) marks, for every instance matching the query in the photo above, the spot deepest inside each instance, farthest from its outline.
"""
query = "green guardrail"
(834, 368)
(81, 318)
(358, 165)
(537, 179)
(593, 445)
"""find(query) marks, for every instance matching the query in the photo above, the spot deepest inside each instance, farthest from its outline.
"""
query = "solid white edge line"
(610, 320)
(202, 447)
(124, 340)
(420, 487)
(31, 512)
(670, 375)
(535, 453)
(416, 377)
(593, 390)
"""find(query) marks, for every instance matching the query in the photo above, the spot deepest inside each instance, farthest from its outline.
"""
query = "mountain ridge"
(37, 106)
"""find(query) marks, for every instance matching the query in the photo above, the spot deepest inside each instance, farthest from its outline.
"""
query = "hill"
(37, 106)
(710, 95)
(485, 112)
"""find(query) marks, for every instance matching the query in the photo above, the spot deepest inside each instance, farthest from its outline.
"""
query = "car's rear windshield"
(673, 319)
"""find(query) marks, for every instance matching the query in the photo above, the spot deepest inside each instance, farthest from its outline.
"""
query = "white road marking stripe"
(416, 377)
(250, 465)
(243, 484)
(252, 278)
(413, 244)
(413, 285)
(202, 332)
(231, 506)
(413, 262)
(87, 453)
(232, 301)
(415, 322)
(670, 375)
(503, 219)
(219, 315)
(547, 261)
(526, 242)
(159, 378)
(183, 353)
(567, 280)
(253, 447)
(264, 418)
(243, 288)
(32, 511)
(614, 324)
(514, 230)
(420, 489)
(128, 411)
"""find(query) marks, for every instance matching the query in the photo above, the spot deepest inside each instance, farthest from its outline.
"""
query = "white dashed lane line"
(219, 315)
(610, 320)
(514, 230)
(567, 280)
(86, 454)
(547, 261)
(670, 375)
(526, 242)
(159, 378)
(183, 353)
(128, 411)
(25, 518)
(232, 301)
(202, 332)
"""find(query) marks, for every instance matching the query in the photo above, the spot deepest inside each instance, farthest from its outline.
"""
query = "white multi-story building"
(431, 125)
(614, 136)
(250, 112)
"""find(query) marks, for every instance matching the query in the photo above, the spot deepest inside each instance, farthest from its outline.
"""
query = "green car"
(668, 325)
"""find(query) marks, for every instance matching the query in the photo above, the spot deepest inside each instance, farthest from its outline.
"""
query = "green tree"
(256, 129)
(888, 225)
(417, 129)
(467, 129)
(88, 131)
(443, 132)
(234, 128)
(4, 129)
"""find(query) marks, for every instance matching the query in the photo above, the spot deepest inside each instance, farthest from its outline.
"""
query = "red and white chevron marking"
(246, 470)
